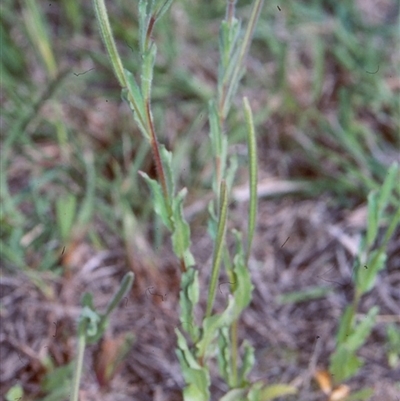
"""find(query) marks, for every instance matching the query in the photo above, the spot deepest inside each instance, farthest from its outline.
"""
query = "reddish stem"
(150, 30)
(156, 153)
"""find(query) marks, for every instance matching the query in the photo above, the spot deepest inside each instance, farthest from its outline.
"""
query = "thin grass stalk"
(219, 246)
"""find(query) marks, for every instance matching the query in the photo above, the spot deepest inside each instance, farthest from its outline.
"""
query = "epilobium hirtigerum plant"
(216, 335)
(370, 260)
(92, 326)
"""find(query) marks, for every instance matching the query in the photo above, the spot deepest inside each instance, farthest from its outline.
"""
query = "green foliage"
(196, 377)
(188, 299)
(304, 295)
(65, 212)
(369, 262)
(57, 383)
(92, 326)
(393, 345)
(14, 392)
(344, 362)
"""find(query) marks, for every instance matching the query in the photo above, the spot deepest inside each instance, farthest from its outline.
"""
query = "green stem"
(74, 396)
(252, 146)
(234, 343)
(220, 240)
(157, 157)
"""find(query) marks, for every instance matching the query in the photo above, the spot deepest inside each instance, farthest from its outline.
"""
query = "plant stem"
(252, 146)
(149, 30)
(227, 92)
(234, 342)
(157, 157)
(79, 364)
(223, 212)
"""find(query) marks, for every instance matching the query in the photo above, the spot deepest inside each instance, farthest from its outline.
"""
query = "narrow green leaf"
(392, 177)
(160, 206)
(346, 324)
(188, 299)
(166, 158)
(229, 34)
(212, 324)
(372, 228)
(108, 39)
(237, 394)
(196, 377)
(125, 287)
(366, 275)
(148, 60)
(134, 97)
(231, 171)
(224, 356)
(247, 364)
(219, 147)
(186, 354)
(255, 391)
(251, 138)
(304, 295)
(344, 364)
(162, 9)
(362, 331)
(212, 223)
(237, 73)
(181, 233)
(65, 213)
(243, 286)
(143, 23)
(393, 345)
(276, 390)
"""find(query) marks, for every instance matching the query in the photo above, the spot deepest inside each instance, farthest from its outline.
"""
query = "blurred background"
(323, 81)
